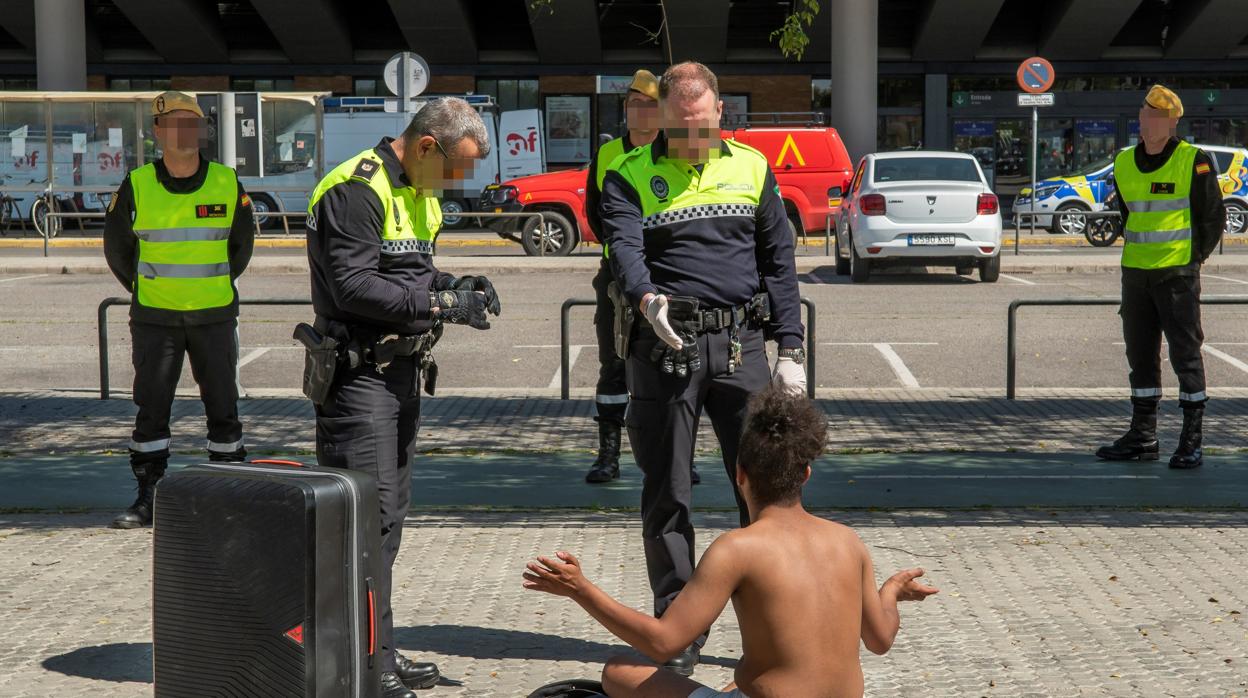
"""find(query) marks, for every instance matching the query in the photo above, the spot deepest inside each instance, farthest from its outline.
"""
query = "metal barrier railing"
(827, 234)
(1011, 332)
(102, 327)
(565, 331)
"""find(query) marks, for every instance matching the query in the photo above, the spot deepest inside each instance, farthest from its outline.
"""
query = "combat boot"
(1140, 441)
(607, 466)
(238, 456)
(140, 513)
(1189, 453)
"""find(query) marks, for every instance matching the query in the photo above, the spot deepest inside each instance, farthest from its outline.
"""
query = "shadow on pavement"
(495, 643)
(123, 662)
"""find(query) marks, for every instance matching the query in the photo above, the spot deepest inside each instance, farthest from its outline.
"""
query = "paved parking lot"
(903, 330)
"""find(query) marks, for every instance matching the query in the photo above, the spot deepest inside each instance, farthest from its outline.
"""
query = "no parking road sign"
(1036, 75)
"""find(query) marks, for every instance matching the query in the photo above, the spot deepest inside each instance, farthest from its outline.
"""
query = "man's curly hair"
(783, 434)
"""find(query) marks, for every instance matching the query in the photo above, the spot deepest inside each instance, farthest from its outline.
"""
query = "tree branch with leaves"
(791, 36)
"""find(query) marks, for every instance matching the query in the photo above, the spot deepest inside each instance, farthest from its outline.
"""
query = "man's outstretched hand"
(561, 577)
(905, 586)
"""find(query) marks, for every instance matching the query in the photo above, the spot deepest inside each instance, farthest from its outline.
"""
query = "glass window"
(242, 85)
(289, 132)
(366, 87)
(1096, 143)
(612, 122)
(977, 138)
(900, 91)
(1055, 150)
(72, 125)
(925, 169)
(511, 93)
(112, 148)
(119, 84)
(899, 132)
(22, 136)
(821, 95)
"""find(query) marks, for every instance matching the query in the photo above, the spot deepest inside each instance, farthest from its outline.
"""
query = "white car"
(919, 208)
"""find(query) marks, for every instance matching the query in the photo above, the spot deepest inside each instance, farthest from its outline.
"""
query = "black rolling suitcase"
(263, 582)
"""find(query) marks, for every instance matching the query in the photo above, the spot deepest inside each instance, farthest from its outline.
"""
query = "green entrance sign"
(961, 99)
(1210, 97)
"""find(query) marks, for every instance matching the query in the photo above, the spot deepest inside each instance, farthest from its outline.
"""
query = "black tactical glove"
(483, 285)
(461, 308)
(680, 362)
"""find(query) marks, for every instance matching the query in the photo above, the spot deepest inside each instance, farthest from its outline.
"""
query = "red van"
(810, 164)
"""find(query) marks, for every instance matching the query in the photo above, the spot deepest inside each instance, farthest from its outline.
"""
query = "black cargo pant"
(1157, 304)
(611, 394)
(369, 423)
(157, 353)
(662, 426)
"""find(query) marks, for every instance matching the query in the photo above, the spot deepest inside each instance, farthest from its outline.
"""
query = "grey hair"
(449, 120)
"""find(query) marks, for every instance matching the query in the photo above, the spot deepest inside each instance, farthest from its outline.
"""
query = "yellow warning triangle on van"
(790, 143)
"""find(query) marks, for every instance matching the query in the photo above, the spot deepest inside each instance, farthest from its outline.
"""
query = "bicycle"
(46, 203)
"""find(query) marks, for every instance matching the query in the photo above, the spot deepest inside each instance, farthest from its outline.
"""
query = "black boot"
(607, 466)
(140, 513)
(1189, 454)
(1140, 441)
(416, 675)
(392, 687)
(238, 456)
(684, 662)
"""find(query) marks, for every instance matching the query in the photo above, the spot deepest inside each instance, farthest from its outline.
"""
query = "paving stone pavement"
(1032, 603)
(52, 422)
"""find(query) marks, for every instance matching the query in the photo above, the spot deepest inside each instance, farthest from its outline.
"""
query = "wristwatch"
(798, 355)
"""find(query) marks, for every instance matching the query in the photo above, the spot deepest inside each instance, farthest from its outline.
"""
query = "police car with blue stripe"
(1088, 192)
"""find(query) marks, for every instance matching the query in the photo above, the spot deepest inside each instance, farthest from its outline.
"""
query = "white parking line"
(1225, 278)
(22, 278)
(899, 367)
(1226, 357)
(1021, 281)
(871, 344)
(252, 356)
(574, 352)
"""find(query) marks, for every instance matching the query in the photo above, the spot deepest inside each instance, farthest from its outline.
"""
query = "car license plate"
(934, 240)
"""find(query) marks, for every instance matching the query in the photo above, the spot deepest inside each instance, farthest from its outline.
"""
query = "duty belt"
(382, 351)
(718, 319)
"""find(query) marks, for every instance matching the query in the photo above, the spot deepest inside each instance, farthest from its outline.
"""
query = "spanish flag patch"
(245, 201)
(1202, 168)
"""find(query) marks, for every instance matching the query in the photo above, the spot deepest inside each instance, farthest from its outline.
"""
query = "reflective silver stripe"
(183, 234)
(1159, 205)
(612, 399)
(394, 247)
(1146, 392)
(696, 212)
(225, 448)
(183, 271)
(1160, 235)
(149, 446)
(1193, 397)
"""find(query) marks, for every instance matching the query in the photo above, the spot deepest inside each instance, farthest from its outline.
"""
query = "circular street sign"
(417, 78)
(1036, 75)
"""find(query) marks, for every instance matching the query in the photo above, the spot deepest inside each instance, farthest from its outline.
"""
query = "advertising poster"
(568, 129)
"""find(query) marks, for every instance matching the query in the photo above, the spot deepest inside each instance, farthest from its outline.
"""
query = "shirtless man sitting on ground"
(803, 587)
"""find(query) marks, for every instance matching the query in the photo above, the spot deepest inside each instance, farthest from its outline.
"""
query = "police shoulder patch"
(366, 169)
(1202, 168)
(658, 186)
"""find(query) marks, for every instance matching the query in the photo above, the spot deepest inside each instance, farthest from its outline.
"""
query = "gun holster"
(320, 362)
(760, 308)
(625, 319)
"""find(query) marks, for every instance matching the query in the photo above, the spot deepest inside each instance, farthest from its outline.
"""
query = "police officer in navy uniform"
(1173, 217)
(177, 234)
(701, 246)
(373, 222)
(611, 394)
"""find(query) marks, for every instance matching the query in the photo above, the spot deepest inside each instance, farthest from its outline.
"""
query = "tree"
(791, 36)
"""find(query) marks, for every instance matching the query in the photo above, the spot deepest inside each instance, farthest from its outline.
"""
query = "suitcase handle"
(372, 622)
(275, 461)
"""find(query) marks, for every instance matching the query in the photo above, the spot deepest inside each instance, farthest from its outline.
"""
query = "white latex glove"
(790, 375)
(656, 312)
